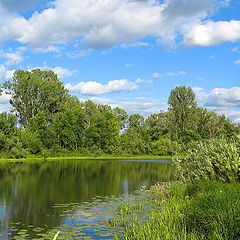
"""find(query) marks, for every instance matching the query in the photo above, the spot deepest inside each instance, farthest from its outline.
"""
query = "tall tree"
(34, 91)
(157, 125)
(182, 106)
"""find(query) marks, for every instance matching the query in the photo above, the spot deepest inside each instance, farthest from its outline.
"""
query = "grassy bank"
(200, 210)
(77, 156)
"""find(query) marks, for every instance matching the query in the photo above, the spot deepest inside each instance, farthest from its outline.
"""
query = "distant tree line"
(46, 119)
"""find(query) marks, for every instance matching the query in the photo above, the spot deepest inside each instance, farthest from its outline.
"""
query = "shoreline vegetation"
(204, 202)
(193, 211)
(85, 157)
(46, 120)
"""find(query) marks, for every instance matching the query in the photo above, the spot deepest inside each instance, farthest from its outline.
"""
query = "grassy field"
(200, 210)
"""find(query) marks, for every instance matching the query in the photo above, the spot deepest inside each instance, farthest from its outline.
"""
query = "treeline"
(45, 119)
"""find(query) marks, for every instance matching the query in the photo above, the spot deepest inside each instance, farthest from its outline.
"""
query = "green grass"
(200, 210)
(77, 156)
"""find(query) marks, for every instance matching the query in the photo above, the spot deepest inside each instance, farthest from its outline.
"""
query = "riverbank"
(74, 156)
(200, 210)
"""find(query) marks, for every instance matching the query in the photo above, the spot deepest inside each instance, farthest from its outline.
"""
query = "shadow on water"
(37, 198)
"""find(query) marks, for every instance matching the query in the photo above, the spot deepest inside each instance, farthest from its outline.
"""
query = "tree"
(8, 123)
(157, 125)
(70, 127)
(182, 106)
(34, 91)
(121, 115)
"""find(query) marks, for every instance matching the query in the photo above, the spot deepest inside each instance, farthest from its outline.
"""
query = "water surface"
(37, 199)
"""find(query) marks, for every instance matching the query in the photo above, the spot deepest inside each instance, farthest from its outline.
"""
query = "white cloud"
(222, 97)
(5, 74)
(47, 49)
(4, 98)
(105, 23)
(143, 106)
(95, 88)
(13, 58)
(169, 74)
(139, 80)
(9, 74)
(100, 100)
(212, 33)
(62, 72)
(235, 49)
(224, 101)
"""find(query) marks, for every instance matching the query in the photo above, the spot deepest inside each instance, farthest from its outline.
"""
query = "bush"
(216, 159)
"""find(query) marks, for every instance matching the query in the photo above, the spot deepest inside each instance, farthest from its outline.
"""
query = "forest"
(46, 119)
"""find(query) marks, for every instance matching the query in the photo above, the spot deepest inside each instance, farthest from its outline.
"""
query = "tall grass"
(200, 210)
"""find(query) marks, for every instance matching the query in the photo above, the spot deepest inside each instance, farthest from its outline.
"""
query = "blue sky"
(128, 53)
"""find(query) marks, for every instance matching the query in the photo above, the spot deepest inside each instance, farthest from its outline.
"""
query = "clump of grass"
(200, 210)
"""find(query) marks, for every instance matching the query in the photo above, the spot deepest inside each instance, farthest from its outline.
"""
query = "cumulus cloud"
(105, 23)
(212, 33)
(62, 72)
(224, 101)
(95, 88)
(222, 97)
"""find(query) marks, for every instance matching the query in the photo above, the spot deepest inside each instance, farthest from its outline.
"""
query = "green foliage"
(53, 120)
(14, 148)
(200, 210)
(182, 106)
(214, 209)
(31, 142)
(164, 146)
(8, 123)
(70, 128)
(157, 125)
(216, 159)
(134, 144)
(3, 140)
(34, 91)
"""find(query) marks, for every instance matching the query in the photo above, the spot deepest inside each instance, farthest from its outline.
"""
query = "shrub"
(216, 159)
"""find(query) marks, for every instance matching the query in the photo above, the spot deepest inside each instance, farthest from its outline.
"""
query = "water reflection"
(29, 191)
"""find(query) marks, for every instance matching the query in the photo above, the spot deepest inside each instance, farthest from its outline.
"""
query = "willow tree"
(34, 91)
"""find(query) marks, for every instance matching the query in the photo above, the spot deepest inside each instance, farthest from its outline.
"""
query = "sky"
(128, 53)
